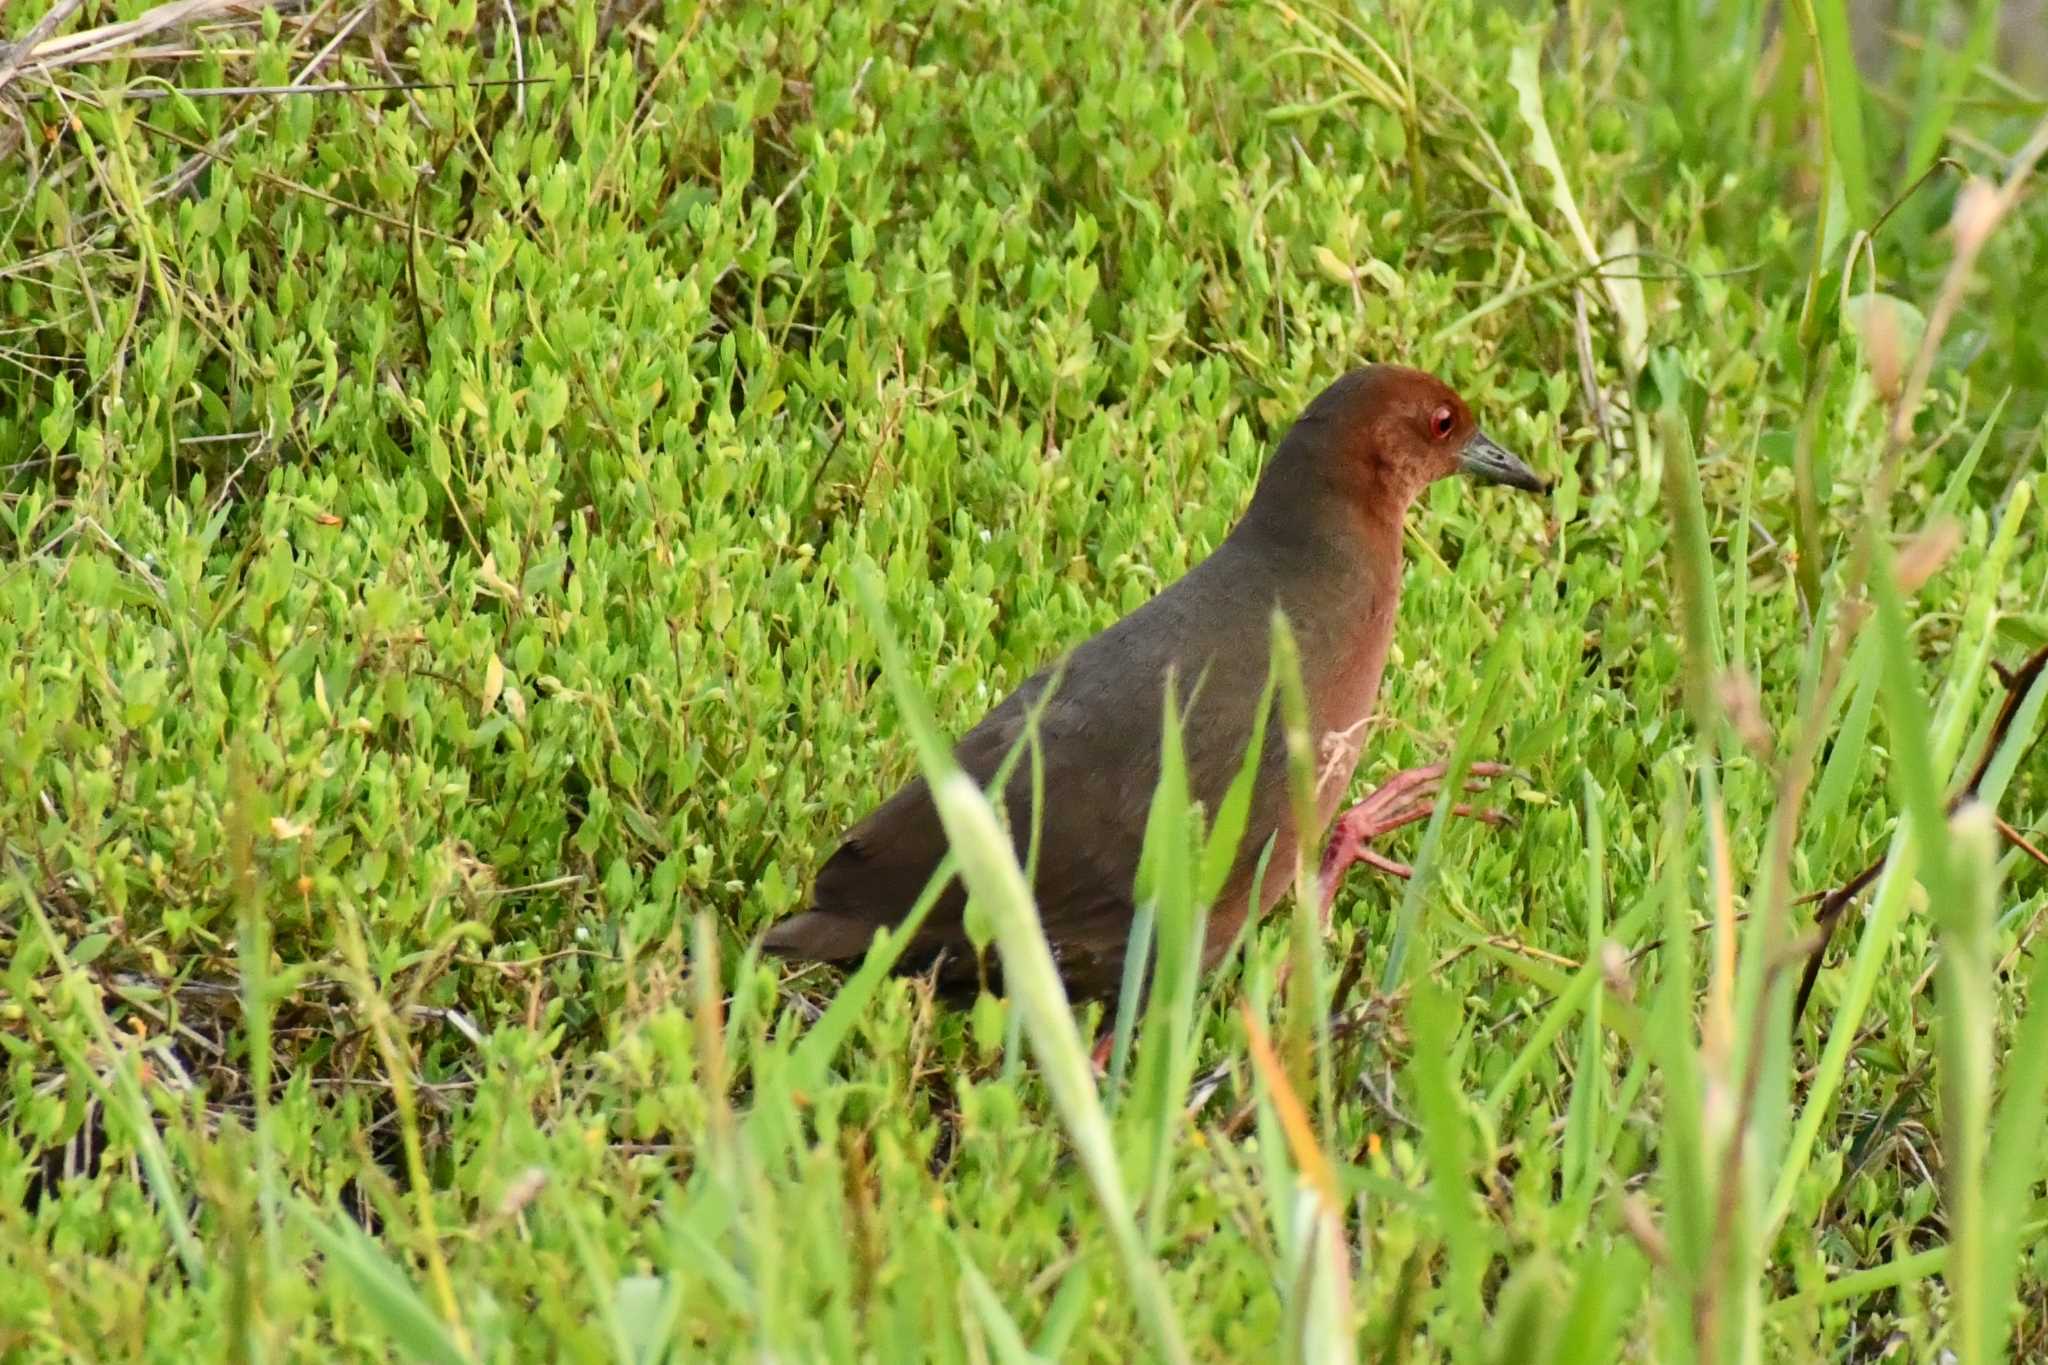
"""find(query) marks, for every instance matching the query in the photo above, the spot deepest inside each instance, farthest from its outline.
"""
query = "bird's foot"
(1403, 799)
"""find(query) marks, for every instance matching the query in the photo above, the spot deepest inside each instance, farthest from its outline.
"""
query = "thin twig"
(19, 55)
(2018, 684)
(203, 152)
(2019, 841)
(74, 49)
(206, 92)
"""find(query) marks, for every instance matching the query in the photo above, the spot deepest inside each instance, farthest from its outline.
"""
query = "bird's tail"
(819, 936)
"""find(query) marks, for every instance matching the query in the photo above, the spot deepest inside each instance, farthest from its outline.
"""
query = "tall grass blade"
(2016, 1158)
(1842, 89)
(1003, 1334)
(1500, 656)
(1447, 1143)
(1963, 1032)
(988, 865)
(1586, 1111)
(1167, 876)
(385, 1289)
(1943, 75)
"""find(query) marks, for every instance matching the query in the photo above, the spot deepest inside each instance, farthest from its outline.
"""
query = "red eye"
(1441, 423)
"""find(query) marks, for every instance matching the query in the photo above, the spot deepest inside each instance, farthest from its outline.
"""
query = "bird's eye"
(1441, 422)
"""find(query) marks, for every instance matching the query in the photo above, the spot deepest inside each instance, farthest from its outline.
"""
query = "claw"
(1402, 800)
(1385, 864)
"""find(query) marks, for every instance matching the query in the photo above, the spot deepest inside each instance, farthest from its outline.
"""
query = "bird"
(1320, 540)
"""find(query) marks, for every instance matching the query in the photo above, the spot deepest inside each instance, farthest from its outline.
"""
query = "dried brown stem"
(2018, 684)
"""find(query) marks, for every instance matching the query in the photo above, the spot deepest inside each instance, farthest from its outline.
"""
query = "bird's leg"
(1402, 800)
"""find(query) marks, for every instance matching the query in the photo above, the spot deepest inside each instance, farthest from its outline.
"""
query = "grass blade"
(385, 1289)
(988, 865)
(1446, 1142)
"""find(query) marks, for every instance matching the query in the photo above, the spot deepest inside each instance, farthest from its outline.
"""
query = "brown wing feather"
(1099, 739)
(1083, 877)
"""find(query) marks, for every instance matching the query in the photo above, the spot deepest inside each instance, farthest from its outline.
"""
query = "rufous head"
(1385, 432)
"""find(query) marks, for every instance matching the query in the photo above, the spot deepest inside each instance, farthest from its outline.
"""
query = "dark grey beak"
(1484, 459)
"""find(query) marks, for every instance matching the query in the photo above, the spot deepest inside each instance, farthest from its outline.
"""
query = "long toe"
(1385, 864)
(1400, 819)
(1402, 800)
(1412, 785)
(1400, 788)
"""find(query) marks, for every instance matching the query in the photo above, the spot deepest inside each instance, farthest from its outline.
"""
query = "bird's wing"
(1087, 856)
(1098, 737)
(871, 880)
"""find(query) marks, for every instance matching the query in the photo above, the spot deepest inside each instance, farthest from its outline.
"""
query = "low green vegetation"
(436, 513)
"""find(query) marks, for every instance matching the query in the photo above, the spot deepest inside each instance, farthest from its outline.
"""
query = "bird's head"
(1386, 432)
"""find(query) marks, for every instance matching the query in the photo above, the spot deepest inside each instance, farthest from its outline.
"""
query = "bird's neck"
(1332, 530)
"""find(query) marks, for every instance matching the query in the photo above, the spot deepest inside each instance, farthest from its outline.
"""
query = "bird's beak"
(1486, 460)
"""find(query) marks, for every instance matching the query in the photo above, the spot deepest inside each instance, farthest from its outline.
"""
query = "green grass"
(435, 525)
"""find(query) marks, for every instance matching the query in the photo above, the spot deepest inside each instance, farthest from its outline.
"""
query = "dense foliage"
(431, 511)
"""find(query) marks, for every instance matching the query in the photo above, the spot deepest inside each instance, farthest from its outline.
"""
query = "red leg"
(1362, 854)
(1402, 800)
